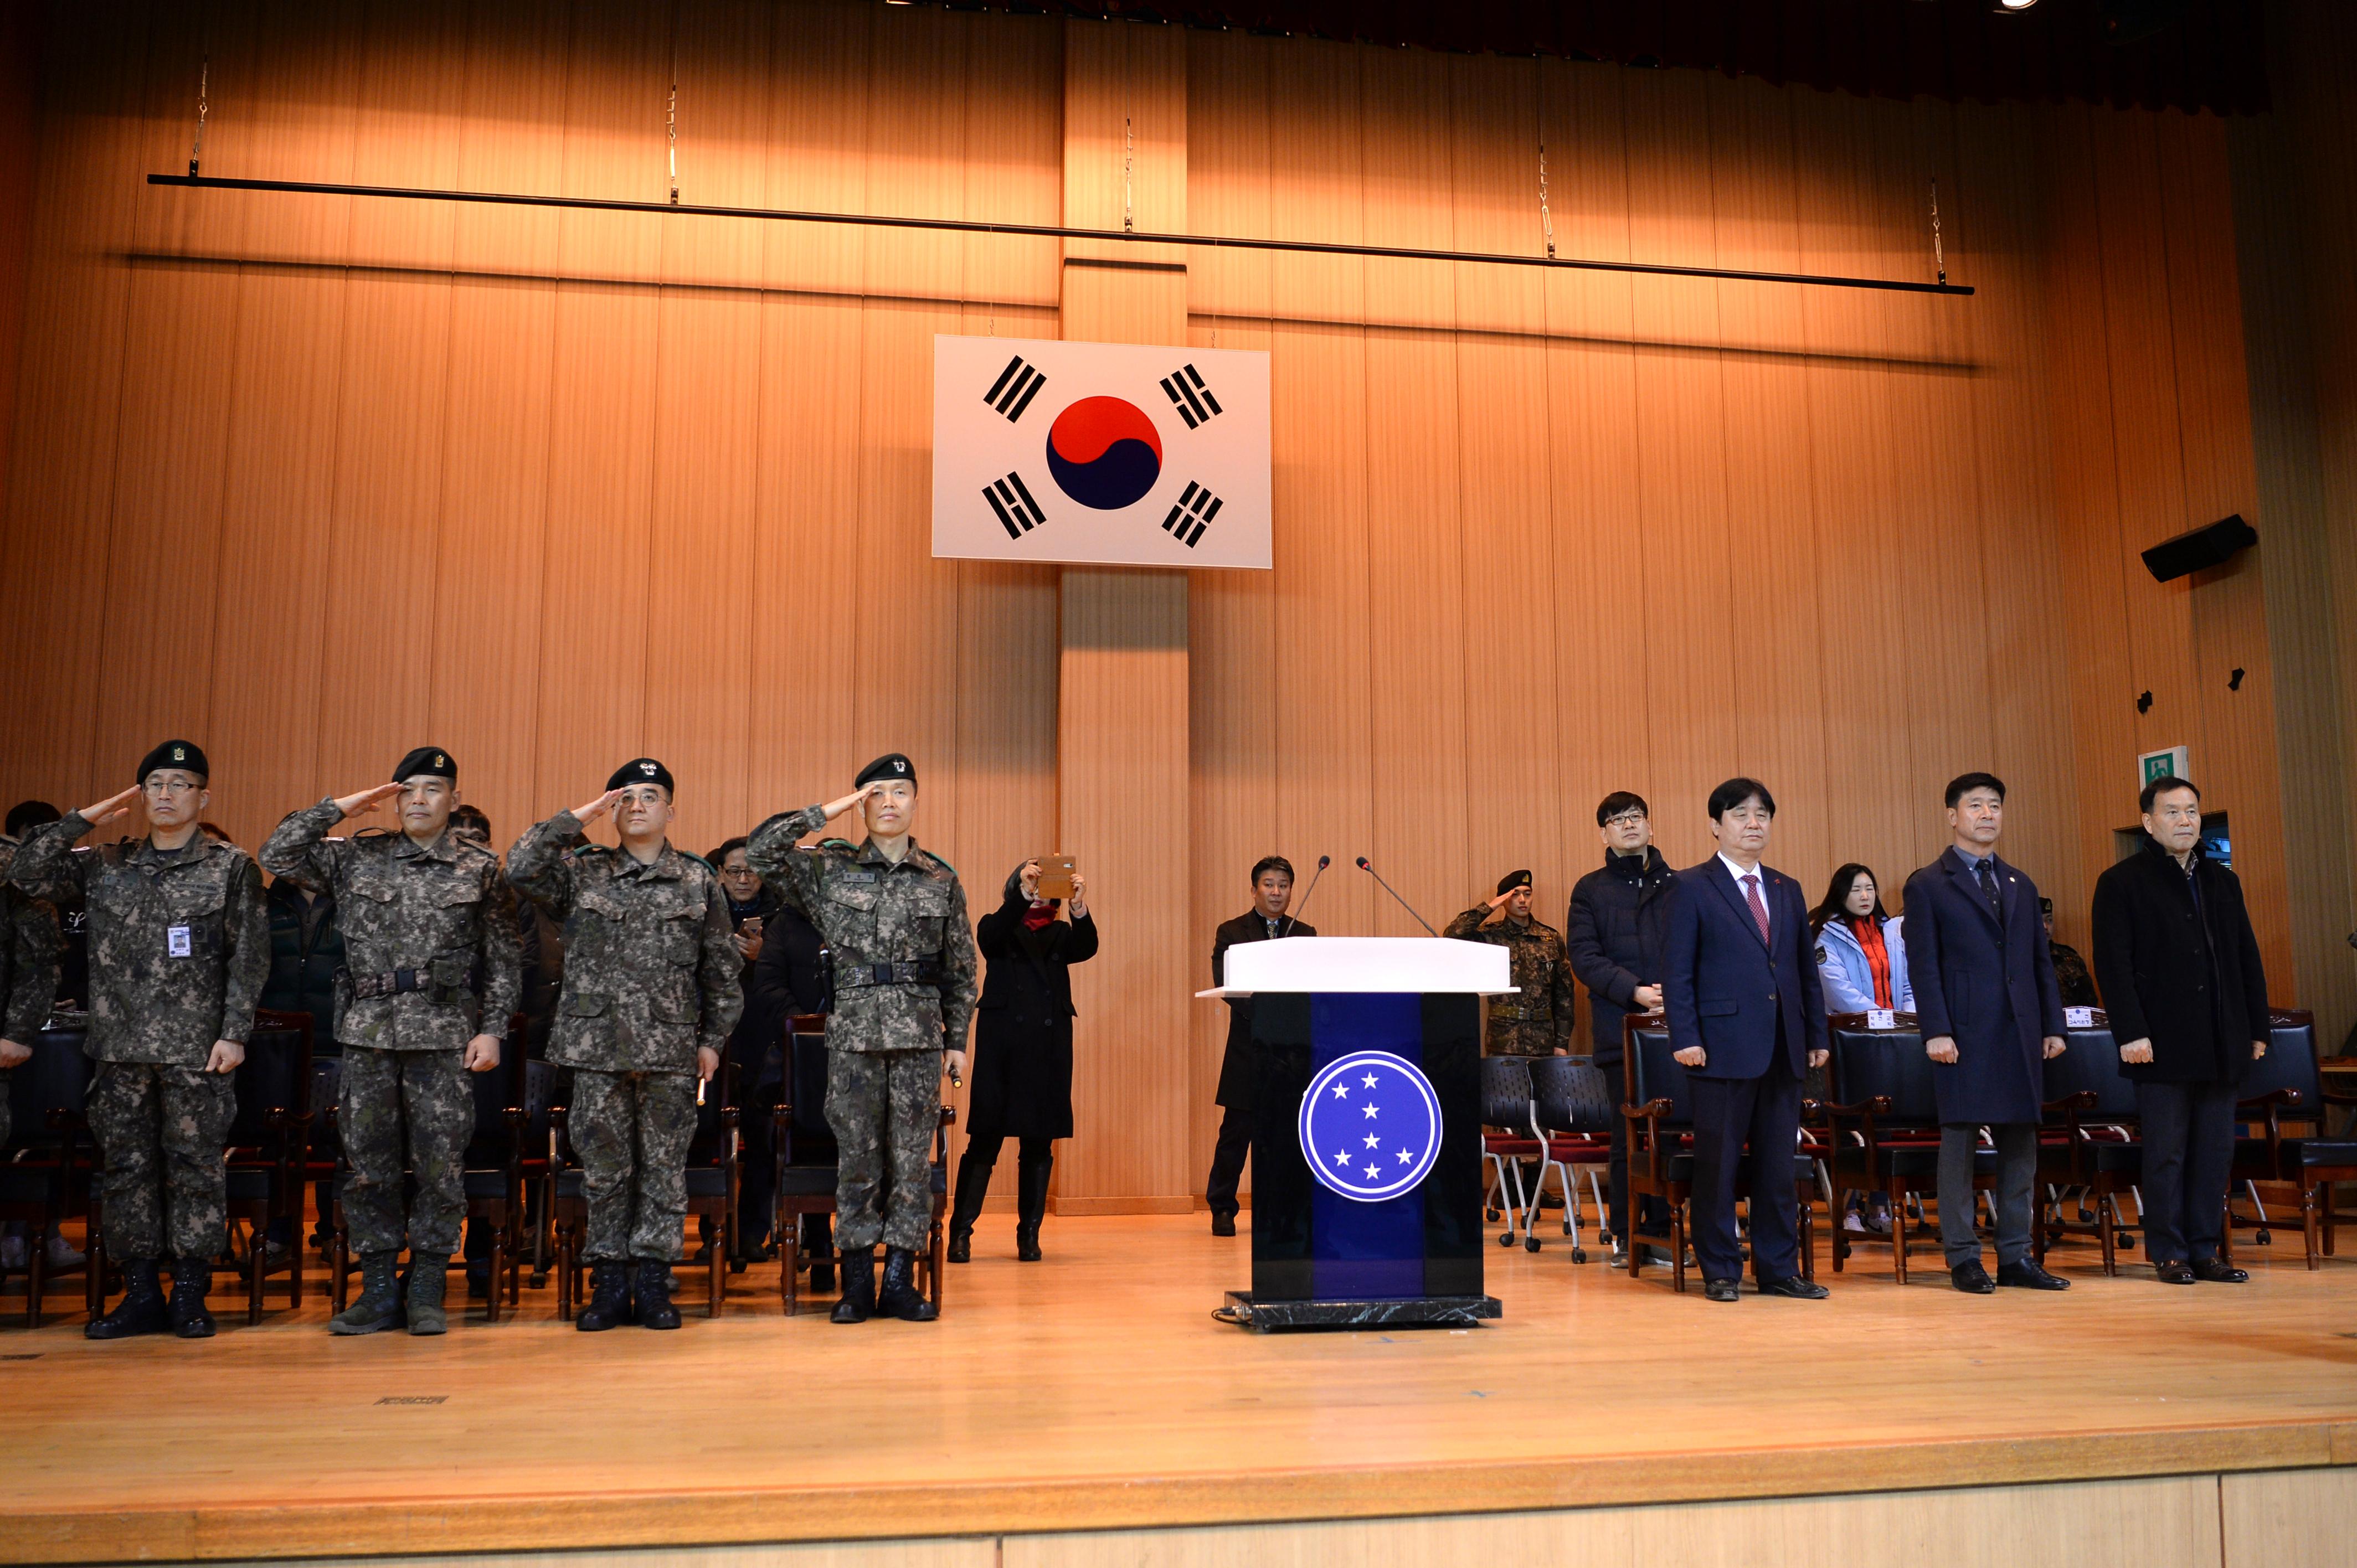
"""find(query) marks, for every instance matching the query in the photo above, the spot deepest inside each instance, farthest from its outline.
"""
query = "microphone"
(1323, 862)
(1396, 898)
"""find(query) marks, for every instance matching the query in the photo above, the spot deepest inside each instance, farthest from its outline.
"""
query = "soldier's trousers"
(631, 1130)
(1510, 1038)
(162, 1131)
(883, 1107)
(405, 1113)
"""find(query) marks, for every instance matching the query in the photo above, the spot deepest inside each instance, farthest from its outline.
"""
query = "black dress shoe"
(1223, 1224)
(2026, 1275)
(1793, 1286)
(1972, 1279)
(1722, 1290)
(2180, 1273)
(2219, 1271)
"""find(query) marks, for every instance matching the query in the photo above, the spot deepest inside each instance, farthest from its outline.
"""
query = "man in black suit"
(1990, 1012)
(1272, 882)
(2181, 978)
(1746, 1021)
(1614, 936)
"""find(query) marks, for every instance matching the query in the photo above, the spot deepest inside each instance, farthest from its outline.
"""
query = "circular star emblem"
(1370, 1126)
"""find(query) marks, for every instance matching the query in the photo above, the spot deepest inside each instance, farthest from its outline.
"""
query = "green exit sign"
(2152, 765)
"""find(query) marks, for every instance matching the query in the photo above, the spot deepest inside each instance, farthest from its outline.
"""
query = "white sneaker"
(12, 1253)
(62, 1256)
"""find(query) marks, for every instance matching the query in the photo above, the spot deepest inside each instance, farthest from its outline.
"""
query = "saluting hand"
(835, 809)
(106, 811)
(597, 808)
(1500, 901)
(366, 801)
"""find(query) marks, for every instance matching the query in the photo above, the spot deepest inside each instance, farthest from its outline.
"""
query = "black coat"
(1615, 935)
(1989, 985)
(1239, 1079)
(1023, 1023)
(307, 948)
(2183, 974)
(783, 981)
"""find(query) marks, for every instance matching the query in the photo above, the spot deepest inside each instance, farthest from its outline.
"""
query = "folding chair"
(1509, 1137)
(1573, 1115)
(268, 1138)
(1882, 1132)
(49, 1165)
(2285, 1086)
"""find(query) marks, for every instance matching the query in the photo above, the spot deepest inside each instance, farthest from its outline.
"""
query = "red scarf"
(1868, 932)
(1039, 917)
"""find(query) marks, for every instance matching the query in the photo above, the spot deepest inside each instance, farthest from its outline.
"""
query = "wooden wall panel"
(549, 489)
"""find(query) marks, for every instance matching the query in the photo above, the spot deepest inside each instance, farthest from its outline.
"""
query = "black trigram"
(1013, 505)
(1190, 396)
(1196, 508)
(1017, 385)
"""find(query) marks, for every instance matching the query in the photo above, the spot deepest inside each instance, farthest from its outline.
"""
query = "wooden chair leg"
(790, 1255)
(564, 1274)
(1898, 1197)
(499, 1262)
(257, 1251)
(2327, 1217)
(2309, 1228)
(1678, 1247)
(35, 1257)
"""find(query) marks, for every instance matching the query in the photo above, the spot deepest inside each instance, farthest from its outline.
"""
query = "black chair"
(1660, 1113)
(323, 1154)
(805, 1163)
(268, 1137)
(1509, 1137)
(2285, 1086)
(49, 1165)
(2089, 1144)
(1572, 1113)
(1882, 1131)
(712, 1177)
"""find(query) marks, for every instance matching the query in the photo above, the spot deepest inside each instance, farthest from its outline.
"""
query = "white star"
(1369, 1080)
(1341, 1091)
(1342, 1156)
(1404, 1157)
(1373, 1140)
(1373, 1171)
(1371, 1112)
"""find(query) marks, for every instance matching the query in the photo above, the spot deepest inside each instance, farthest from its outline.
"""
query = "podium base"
(1409, 1312)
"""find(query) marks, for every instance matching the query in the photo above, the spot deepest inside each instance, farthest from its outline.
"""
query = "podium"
(1367, 1147)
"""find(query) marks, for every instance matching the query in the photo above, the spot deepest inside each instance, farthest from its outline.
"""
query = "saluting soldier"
(894, 918)
(28, 976)
(1536, 1020)
(179, 945)
(651, 994)
(424, 911)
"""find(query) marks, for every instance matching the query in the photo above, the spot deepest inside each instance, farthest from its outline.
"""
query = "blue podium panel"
(1385, 1089)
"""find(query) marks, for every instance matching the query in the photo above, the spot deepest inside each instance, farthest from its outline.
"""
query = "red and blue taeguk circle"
(1104, 453)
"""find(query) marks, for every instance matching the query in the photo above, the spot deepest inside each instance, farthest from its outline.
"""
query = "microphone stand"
(1396, 898)
(1323, 862)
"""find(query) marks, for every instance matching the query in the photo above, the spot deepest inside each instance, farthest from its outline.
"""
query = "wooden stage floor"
(1094, 1391)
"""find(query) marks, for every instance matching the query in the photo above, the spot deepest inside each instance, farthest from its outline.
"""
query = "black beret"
(1513, 879)
(430, 760)
(185, 754)
(639, 770)
(891, 765)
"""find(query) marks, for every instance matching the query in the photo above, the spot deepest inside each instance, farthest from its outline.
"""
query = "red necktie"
(1759, 908)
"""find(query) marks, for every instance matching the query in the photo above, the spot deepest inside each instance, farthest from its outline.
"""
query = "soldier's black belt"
(918, 971)
(401, 979)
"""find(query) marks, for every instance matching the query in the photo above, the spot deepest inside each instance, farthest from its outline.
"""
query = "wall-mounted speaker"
(2203, 548)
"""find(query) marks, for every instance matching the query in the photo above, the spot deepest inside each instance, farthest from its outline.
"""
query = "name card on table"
(1881, 1018)
(2078, 1017)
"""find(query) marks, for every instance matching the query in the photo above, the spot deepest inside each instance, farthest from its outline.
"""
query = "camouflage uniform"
(654, 977)
(28, 969)
(431, 917)
(179, 945)
(1536, 1020)
(885, 1038)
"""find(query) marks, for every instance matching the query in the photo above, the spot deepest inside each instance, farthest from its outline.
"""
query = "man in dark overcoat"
(1990, 1012)
(2180, 975)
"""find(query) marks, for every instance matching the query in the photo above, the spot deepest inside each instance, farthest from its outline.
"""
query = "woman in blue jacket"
(1861, 955)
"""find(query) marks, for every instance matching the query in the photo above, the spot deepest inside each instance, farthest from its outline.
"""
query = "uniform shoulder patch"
(1821, 952)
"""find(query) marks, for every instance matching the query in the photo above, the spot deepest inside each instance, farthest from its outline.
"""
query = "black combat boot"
(859, 1303)
(610, 1298)
(656, 1308)
(1031, 1205)
(972, 1186)
(191, 1277)
(899, 1296)
(379, 1305)
(428, 1278)
(141, 1310)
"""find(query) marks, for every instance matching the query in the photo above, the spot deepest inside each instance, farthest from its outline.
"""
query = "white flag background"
(1100, 453)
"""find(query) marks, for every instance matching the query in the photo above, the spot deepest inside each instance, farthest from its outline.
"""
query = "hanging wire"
(204, 106)
(672, 130)
(1546, 218)
(1538, 116)
(1939, 253)
(1128, 157)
